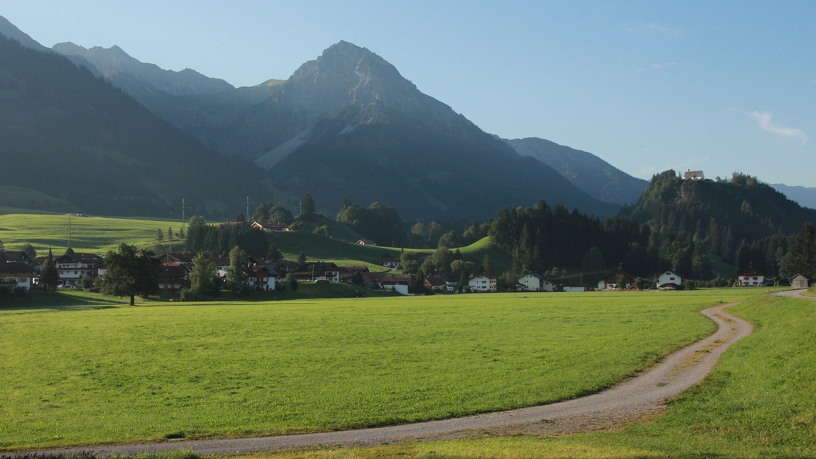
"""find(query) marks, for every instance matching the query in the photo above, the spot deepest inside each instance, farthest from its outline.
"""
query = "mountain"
(588, 172)
(135, 77)
(9, 30)
(805, 196)
(73, 141)
(349, 125)
(197, 104)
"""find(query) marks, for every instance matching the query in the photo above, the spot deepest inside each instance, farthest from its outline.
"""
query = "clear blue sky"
(721, 86)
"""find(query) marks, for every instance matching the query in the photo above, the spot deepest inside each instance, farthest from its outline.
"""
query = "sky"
(720, 86)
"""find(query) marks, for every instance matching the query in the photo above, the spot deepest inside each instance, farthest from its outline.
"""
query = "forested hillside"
(74, 137)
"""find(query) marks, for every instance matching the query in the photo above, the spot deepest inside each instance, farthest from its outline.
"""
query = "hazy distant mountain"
(135, 77)
(11, 31)
(805, 196)
(69, 135)
(197, 104)
(349, 125)
(588, 172)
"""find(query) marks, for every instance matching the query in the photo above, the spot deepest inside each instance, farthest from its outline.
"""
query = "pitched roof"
(15, 267)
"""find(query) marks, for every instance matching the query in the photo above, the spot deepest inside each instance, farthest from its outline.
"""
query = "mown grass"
(760, 401)
(111, 374)
(88, 234)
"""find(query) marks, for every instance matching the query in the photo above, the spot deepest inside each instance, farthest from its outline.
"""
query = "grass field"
(100, 234)
(96, 372)
(88, 234)
(760, 401)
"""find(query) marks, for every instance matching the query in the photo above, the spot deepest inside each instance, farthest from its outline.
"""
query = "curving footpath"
(638, 395)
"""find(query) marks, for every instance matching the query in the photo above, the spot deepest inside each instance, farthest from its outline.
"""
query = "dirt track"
(631, 400)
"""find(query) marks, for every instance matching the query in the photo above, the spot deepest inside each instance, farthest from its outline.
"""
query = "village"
(19, 272)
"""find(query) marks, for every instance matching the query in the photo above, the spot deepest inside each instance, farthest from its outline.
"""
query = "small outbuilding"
(800, 281)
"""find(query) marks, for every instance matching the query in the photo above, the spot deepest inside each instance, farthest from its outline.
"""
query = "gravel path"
(628, 401)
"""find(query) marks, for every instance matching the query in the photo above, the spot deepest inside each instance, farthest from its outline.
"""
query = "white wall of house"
(751, 280)
(532, 283)
(573, 288)
(17, 280)
(482, 284)
(669, 278)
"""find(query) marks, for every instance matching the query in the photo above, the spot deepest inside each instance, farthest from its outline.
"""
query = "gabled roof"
(15, 267)
(78, 257)
(487, 275)
(752, 272)
(800, 274)
(538, 276)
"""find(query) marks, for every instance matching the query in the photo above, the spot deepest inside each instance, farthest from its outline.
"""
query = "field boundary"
(638, 396)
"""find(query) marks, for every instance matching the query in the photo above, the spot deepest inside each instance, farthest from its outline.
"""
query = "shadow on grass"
(39, 299)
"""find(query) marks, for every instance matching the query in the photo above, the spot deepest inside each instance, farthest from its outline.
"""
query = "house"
(483, 283)
(260, 277)
(390, 262)
(574, 288)
(183, 258)
(535, 282)
(172, 276)
(799, 281)
(693, 175)
(283, 267)
(387, 281)
(16, 255)
(669, 280)
(318, 271)
(396, 282)
(750, 278)
(222, 264)
(271, 227)
(75, 266)
(441, 282)
(366, 242)
(15, 274)
(612, 281)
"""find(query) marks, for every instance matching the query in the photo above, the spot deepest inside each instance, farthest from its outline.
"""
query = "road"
(631, 399)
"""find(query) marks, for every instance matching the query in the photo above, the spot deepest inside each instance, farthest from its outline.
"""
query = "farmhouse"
(693, 175)
(16, 255)
(669, 280)
(483, 283)
(390, 262)
(800, 281)
(750, 279)
(442, 282)
(260, 277)
(15, 274)
(74, 266)
(271, 227)
(319, 271)
(183, 258)
(618, 280)
(172, 276)
(535, 282)
(366, 242)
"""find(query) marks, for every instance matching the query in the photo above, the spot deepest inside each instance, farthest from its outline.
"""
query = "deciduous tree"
(130, 272)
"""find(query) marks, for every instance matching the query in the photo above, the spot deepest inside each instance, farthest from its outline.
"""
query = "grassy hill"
(96, 234)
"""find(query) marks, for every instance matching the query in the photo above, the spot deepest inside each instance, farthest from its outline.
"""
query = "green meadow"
(88, 234)
(759, 401)
(92, 370)
(96, 234)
